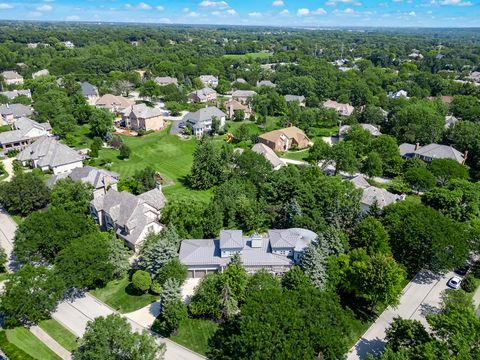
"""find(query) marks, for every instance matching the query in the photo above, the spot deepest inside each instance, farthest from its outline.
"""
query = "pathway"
(422, 296)
(51, 343)
(7, 233)
(8, 164)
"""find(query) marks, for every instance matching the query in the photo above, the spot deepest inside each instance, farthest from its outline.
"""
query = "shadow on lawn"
(132, 291)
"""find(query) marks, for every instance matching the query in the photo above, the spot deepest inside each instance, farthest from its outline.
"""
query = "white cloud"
(285, 12)
(229, 12)
(159, 8)
(254, 14)
(193, 14)
(186, 10)
(335, 2)
(348, 11)
(278, 3)
(73, 18)
(456, 3)
(412, 13)
(319, 11)
(5, 6)
(144, 6)
(45, 7)
(303, 12)
(214, 4)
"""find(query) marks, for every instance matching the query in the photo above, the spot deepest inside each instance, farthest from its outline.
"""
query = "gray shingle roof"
(381, 197)
(14, 93)
(299, 98)
(372, 129)
(11, 75)
(360, 182)
(154, 198)
(21, 129)
(231, 239)
(243, 93)
(268, 154)
(296, 238)
(88, 89)
(204, 114)
(406, 149)
(49, 152)
(166, 80)
(88, 174)
(142, 111)
(203, 93)
(433, 151)
(17, 110)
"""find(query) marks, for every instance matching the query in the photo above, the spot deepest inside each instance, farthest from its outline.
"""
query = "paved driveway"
(422, 296)
(7, 233)
(75, 314)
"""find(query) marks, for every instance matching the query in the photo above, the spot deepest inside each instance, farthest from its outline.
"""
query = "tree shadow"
(185, 181)
(132, 291)
(426, 309)
(426, 277)
(365, 347)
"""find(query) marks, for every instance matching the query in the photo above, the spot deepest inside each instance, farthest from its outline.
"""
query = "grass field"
(60, 334)
(295, 155)
(166, 153)
(194, 334)
(29, 343)
(253, 56)
(121, 295)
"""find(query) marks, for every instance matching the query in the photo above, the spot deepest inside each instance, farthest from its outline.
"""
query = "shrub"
(173, 269)
(468, 284)
(156, 287)
(476, 270)
(141, 280)
(173, 313)
(125, 151)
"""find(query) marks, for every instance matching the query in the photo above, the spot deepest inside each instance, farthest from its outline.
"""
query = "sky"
(310, 13)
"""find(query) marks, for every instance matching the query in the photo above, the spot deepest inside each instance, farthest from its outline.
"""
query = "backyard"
(121, 296)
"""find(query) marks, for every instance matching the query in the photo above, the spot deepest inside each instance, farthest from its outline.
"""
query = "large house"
(131, 217)
(277, 251)
(298, 98)
(142, 117)
(266, 83)
(233, 105)
(48, 154)
(340, 108)
(284, 139)
(9, 113)
(14, 93)
(90, 92)
(99, 179)
(113, 103)
(431, 151)
(243, 96)
(166, 80)
(12, 78)
(269, 155)
(209, 80)
(202, 95)
(25, 131)
(374, 196)
(201, 120)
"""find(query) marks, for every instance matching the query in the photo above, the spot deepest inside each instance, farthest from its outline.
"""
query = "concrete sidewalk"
(51, 343)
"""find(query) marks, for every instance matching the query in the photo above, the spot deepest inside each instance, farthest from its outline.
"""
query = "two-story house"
(201, 121)
(12, 77)
(209, 80)
(142, 117)
(276, 251)
(203, 95)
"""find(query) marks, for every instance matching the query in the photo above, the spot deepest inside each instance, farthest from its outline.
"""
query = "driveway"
(422, 296)
(7, 233)
(75, 314)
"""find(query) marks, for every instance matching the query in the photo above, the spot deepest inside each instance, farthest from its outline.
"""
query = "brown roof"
(289, 132)
(109, 101)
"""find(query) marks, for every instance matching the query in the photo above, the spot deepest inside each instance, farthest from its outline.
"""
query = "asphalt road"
(75, 315)
(422, 296)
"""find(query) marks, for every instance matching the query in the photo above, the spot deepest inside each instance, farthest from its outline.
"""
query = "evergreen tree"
(170, 292)
(332, 241)
(228, 304)
(118, 257)
(313, 263)
(235, 277)
(207, 169)
(157, 250)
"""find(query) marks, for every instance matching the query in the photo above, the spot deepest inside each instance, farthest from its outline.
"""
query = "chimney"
(417, 146)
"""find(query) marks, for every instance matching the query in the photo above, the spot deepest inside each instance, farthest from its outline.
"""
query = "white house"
(24, 132)
(201, 120)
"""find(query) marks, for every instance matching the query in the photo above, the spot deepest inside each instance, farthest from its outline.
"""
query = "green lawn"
(121, 295)
(194, 334)
(295, 155)
(29, 343)
(256, 55)
(166, 153)
(63, 336)
(80, 138)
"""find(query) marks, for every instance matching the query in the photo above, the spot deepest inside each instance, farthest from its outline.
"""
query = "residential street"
(422, 296)
(75, 314)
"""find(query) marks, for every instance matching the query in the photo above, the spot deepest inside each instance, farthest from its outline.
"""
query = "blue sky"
(424, 13)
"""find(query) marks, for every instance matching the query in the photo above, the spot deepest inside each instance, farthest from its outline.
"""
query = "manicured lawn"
(296, 155)
(29, 343)
(60, 334)
(257, 55)
(121, 295)
(80, 138)
(234, 125)
(167, 154)
(194, 334)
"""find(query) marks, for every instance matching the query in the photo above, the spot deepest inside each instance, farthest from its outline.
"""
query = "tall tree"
(71, 196)
(207, 169)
